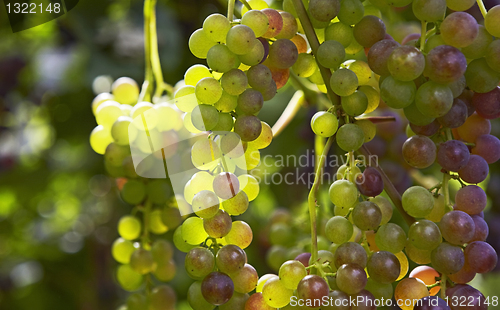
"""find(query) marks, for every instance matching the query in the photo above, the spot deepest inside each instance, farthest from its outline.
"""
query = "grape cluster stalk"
(443, 81)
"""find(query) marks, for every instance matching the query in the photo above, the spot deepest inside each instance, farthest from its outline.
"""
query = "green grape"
(324, 10)
(491, 21)
(344, 172)
(107, 113)
(125, 90)
(492, 55)
(397, 94)
(216, 27)
(351, 12)
(479, 47)
(366, 215)
(275, 293)
(264, 139)
(179, 241)
(362, 70)
(129, 227)
(115, 154)
(221, 59)
(128, 278)
(457, 87)
(250, 101)
(199, 262)
(156, 225)
(236, 205)
(480, 77)
(205, 154)
(249, 185)
(350, 137)
(188, 124)
(373, 97)
(205, 204)
(429, 10)
(234, 82)
(390, 237)
(355, 104)
(201, 180)
(338, 229)
(385, 207)
(162, 250)
(317, 24)
(259, 76)
(99, 99)
(369, 129)
(290, 274)
(418, 256)
(158, 191)
(369, 30)
(237, 301)
(122, 250)
(240, 234)
(185, 98)
(416, 117)
(344, 82)
(438, 209)
(193, 231)
(133, 192)
(204, 117)
(165, 270)
(245, 280)
(240, 39)
(199, 43)
(343, 193)
(219, 225)
(433, 99)
(171, 217)
(169, 116)
(417, 201)
(317, 78)
(459, 29)
(406, 63)
(142, 261)
(137, 301)
(339, 32)
(283, 54)
(195, 73)
(399, 3)
(269, 91)
(281, 234)
(379, 290)
(257, 21)
(290, 26)
(330, 54)
(324, 124)
(225, 122)
(263, 280)
(208, 91)
(195, 298)
(162, 298)
(424, 235)
(433, 41)
(305, 65)
(353, 49)
(460, 5)
(227, 103)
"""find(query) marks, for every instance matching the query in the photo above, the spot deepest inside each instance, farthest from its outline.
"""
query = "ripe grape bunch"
(443, 81)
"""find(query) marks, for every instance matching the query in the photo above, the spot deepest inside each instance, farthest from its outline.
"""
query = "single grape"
(350, 137)
(477, 300)
(291, 273)
(338, 229)
(204, 117)
(487, 105)
(390, 237)
(217, 288)
(480, 77)
(474, 127)
(351, 12)
(199, 262)
(275, 23)
(369, 30)
(324, 124)
(250, 101)
(312, 289)
(459, 29)
(406, 63)
(433, 99)
(305, 66)
(219, 225)
(330, 54)
(447, 258)
(200, 43)
(417, 201)
(216, 27)
(343, 193)
(245, 280)
(257, 302)
(491, 21)
(255, 55)
(424, 235)
(366, 215)
(351, 278)
(236, 205)
(208, 90)
(240, 39)
(230, 259)
(488, 147)
(456, 116)
(133, 192)
(344, 82)
(397, 94)
(457, 227)
(445, 71)
(383, 267)
(428, 10)
(275, 293)
(257, 21)
(408, 292)
(324, 10)
(248, 127)
(355, 104)
(480, 257)
(416, 117)
(481, 230)
(475, 171)
(350, 253)
(283, 54)
(379, 55)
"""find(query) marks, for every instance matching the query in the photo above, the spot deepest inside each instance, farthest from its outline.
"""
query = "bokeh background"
(59, 210)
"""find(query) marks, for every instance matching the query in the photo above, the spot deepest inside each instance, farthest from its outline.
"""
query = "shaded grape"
(475, 171)
(217, 288)
(453, 155)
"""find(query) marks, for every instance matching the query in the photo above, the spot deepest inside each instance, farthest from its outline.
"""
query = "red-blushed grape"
(280, 76)
(487, 104)
(406, 63)
(475, 171)
(427, 275)
(256, 302)
(465, 275)
(230, 259)
(304, 258)
(350, 253)
(474, 127)
(245, 280)
(312, 289)
(370, 183)
(379, 55)
(445, 64)
(290, 26)
(426, 130)
(456, 116)
(447, 258)
(459, 29)
(480, 257)
(408, 292)
(219, 225)
(383, 267)
(419, 151)
(366, 301)
(471, 199)
(453, 155)
(366, 215)
(283, 54)
(300, 42)
(199, 262)
(351, 278)
(275, 23)
(340, 301)
(240, 234)
(217, 288)
(457, 227)
(248, 127)
(488, 147)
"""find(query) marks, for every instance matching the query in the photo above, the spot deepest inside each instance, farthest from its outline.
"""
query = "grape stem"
(314, 43)
(246, 4)
(145, 94)
(482, 8)
(443, 286)
(378, 119)
(230, 10)
(312, 198)
(389, 188)
(146, 210)
(423, 35)
(446, 190)
(289, 113)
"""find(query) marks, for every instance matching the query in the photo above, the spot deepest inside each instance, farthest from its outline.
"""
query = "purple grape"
(379, 54)
(304, 258)
(431, 303)
(427, 130)
(266, 48)
(480, 256)
(370, 183)
(487, 104)
(482, 230)
(457, 227)
(474, 299)
(453, 155)
(456, 116)
(419, 151)
(367, 301)
(445, 64)
(470, 199)
(217, 288)
(488, 147)
(475, 171)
